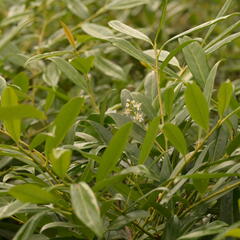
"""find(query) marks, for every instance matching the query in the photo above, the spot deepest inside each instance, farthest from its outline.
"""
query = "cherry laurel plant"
(119, 119)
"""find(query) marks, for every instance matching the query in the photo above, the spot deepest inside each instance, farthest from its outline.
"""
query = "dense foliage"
(119, 119)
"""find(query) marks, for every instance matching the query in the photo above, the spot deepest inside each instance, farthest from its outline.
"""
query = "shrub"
(101, 139)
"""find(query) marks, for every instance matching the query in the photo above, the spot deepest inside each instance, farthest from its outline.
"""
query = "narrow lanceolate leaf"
(149, 140)
(199, 27)
(125, 4)
(60, 159)
(175, 136)
(127, 47)
(20, 111)
(11, 209)
(114, 151)
(68, 34)
(86, 208)
(97, 31)
(45, 56)
(27, 230)
(12, 126)
(197, 105)
(224, 96)
(223, 10)
(70, 72)
(32, 193)
(222, 42)
(196, 60)
(208, 89)
(123, 28)
(63, 122)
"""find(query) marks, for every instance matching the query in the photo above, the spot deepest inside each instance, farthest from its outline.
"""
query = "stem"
(91, 94)
(210, 197)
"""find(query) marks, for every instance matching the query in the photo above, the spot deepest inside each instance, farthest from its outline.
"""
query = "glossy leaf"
(11, 209)
(97, 31)
(127, 47)
(86, 208)
(123, 28)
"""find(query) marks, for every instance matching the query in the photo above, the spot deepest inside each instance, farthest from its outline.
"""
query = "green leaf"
(20, 111)
(114, 151)
(224, 96)
(11, 209)
(97, 31)
(149, 140)
(110, 68)
(60, 159)
(168, 99)
(86, 208)
(139, 170)
(222, 34)
(45, 55)
(222, 11)
(125, 4)
(223, 42)
(32, 193)
(63, 122)
(84, 65)
(206, 230)
(197, 105)
(123, 220)
(208, 88)
(196, 60)
(12, 126)
(199, 27)
(175, 136)
(200, 184)
(165, 57)
(70, 72)
(127, 47)
(233, 233)
(22, 81)
(57, 225)
(123, 28)
(78, 8)
(27, 230)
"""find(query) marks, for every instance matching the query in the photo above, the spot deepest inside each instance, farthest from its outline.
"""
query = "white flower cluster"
(133, 109)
